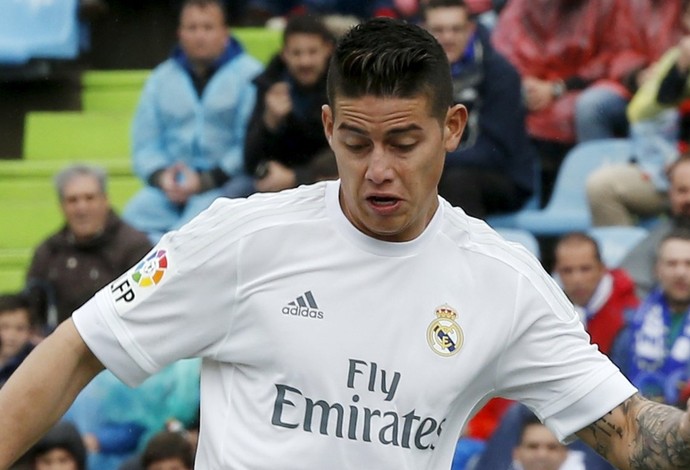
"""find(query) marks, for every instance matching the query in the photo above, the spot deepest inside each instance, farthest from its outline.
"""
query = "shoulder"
(131, 236)
(53, 243)
(228, 221)
(165, 68)
(243, 64)
(477, 237)
(621, 279)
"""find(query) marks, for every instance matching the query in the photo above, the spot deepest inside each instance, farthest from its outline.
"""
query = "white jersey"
(325, 348)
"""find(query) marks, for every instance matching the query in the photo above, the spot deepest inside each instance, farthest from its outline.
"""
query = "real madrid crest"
(444, 335)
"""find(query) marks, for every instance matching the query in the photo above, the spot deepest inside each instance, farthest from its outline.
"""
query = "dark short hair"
(682, 159)
(389, 58)
(528, 419)
(579, 237)
(431, 4)
(168, 445)
(12, 302)
(307, 24)
(204, 4)
(64, 435)
(677, 233)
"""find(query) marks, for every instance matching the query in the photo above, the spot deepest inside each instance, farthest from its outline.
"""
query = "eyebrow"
(391, 132)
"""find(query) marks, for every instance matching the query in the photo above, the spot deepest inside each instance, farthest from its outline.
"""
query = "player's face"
(202, 33)
(679, 190)
(56, 459)
(579, 270)
(673, 271)
(390, 154)
(306, 57)
(15, 331)
(539, 449)
(85, 207)
(452, 28)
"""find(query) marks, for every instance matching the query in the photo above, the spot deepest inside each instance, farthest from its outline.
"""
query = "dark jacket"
(65, 273)
(495, 137)
(300, 138)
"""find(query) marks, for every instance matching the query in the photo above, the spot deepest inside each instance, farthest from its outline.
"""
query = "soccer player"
(355, 323)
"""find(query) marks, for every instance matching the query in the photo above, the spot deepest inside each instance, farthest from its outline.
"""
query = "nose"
(379, 168)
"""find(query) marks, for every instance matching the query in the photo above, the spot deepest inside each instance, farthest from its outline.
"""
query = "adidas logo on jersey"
(304, 306)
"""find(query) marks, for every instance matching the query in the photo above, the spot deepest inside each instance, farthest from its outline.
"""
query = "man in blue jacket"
(493, 168)
(188, 131)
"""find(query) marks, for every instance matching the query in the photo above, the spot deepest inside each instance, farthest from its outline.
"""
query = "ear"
(456, 119)
(327, 121)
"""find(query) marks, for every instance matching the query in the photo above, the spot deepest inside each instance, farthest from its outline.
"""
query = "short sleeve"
(550, 365)
(176, 303)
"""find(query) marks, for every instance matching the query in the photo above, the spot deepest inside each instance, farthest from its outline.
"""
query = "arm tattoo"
(649, 430)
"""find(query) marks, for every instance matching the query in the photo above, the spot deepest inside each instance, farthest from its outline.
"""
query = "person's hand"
(179, 182)
(168, 183)
(188, 182)
(278, 104)
(683, 62)
(538, 93)
(278, 177)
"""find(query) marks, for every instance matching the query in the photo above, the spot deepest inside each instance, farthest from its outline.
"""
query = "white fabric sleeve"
(550, 365)
(176, 303)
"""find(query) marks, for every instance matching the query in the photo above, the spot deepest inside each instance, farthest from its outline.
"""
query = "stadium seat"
(567, 209)
(523, 237)
(112, 90)
(69, 137)
(38, 29)
(533, 203)
(616, 241)
(262, 43)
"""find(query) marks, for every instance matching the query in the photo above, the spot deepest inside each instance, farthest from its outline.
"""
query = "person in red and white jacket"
(601, 295)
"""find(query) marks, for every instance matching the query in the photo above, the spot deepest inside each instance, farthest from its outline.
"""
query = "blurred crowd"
(538, 78)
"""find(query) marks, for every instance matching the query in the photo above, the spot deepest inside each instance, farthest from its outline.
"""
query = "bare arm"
(641, 434)
(42, 389)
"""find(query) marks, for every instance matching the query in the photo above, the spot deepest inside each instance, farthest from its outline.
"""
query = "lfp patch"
(139, 282)
(151, 269)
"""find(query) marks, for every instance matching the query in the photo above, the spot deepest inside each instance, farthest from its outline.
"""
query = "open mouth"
(382, 201)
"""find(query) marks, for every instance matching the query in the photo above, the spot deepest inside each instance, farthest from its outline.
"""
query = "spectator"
(118, 421)
(492, 170)
(60, 449)
(560, 48)
(646, 28)
(190, 124)
(621, 194)
(16, 327)
(653, 350)
(600, 295)
(538, 449)
(90, 250)
(503, 450)
(651, 28)
(176, 448)
(639, 263)
(285, 133)
(168, 451)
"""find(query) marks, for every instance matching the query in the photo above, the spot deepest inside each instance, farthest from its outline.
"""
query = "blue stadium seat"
(616, 241)
(523, 237)
(44, 29)
(567, 209)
